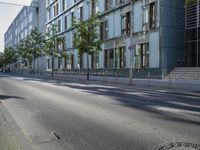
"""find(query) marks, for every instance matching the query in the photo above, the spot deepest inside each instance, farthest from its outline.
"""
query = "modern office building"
(192, 26)
(21, 26)
(28, 18)
(158, 32)
(149, 31)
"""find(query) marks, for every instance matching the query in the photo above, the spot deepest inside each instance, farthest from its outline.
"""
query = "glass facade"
(193, 36)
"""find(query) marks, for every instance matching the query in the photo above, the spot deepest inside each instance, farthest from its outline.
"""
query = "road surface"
(56, 115)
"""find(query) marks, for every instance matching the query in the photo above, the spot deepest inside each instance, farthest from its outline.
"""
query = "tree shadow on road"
(6, 97)
(166, 104)
(174, 106)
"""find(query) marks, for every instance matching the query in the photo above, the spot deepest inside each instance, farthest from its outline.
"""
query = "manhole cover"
(178, 146)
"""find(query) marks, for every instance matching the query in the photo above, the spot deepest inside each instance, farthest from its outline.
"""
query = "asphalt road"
(55, 115)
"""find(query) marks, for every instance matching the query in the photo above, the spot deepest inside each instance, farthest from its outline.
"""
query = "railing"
(118, 73)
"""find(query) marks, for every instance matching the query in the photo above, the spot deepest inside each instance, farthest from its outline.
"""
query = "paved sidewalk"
(7, 139)
(193, 85)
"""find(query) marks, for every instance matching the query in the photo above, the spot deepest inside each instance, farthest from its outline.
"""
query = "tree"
(24, 51)
(10, 56)
(1, 60)
(36, 43)
(53, 40)
(86, 37)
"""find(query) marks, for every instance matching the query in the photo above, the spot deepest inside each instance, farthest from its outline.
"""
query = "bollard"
(116, 78)
(170, 81)
(149, 82)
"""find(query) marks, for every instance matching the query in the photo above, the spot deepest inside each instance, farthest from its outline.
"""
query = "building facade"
(147, 35)
(158, 32)
(20, 28)
(192, 26)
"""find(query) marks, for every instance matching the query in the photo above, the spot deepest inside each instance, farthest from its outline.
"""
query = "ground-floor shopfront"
(115, 54)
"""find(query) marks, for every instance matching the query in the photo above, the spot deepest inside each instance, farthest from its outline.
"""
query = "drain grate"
(48, 137)
(179, 146)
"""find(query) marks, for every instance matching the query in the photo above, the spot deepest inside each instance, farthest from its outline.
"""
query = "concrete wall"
(42, 15)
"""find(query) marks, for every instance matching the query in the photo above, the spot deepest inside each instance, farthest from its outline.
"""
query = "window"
(48, 63)
(72, 61)
(93, 7)
(48, 2)
(95, 60)
(65, 22)
(63, 45)
(117, 2)
(63, 5)
(59, 63)
(56, 8)
(59, 26)
(49, 13)
(104, 30)
(72, 18)
(65, 62)
(126, 23)
(22, 26)
(120, 58)
(107, 4)
(142, 56)
(146, 14)
(80, 11)
(30, 17)
(109, 58)
(149, 16)
(152, 15)
(74, 39)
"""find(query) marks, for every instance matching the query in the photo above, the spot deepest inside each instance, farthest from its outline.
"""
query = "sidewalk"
(193, 85)
(8, 141)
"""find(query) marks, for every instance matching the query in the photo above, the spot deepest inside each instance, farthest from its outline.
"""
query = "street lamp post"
(131, 48)
(88, 71)
(197, 63)
(52, 63)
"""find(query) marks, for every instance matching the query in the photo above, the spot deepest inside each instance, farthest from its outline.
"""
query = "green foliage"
(9, 56)
(65, 54)
(37, 43)
(86, 38)
(32, 47)
(52, 42)
(190, 2)
(24, 51)
(1, 59)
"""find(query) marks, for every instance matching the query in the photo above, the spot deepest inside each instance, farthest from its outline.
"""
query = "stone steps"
(190, 73)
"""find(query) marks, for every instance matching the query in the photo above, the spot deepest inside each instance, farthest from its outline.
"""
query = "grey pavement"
(8, 140)
(174, 84)
(69, 115)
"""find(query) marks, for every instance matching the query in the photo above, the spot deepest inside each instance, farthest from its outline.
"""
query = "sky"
(7, 15)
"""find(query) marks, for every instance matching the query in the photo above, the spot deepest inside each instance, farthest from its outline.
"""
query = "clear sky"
(7, 14)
